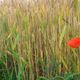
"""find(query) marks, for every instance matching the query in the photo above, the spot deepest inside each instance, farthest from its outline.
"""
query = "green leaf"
(62, 35)
(74, 76)
(42, 78)
(58, 78)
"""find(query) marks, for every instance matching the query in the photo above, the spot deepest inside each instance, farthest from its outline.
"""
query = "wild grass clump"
(33, 39)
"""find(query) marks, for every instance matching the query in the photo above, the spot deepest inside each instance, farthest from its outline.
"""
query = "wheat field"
(33, 40)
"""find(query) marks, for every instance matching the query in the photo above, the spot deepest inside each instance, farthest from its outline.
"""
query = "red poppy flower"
(74, 43)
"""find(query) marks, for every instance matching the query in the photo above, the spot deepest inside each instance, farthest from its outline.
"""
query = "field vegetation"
(33, 40)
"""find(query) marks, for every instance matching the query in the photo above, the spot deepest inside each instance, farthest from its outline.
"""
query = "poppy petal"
(74, 43)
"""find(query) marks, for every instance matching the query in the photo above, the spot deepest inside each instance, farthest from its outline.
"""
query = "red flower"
(74, 43)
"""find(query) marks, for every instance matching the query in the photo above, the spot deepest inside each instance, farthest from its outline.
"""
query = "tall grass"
(33, 39)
